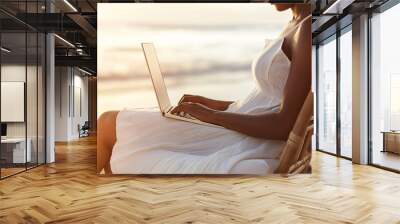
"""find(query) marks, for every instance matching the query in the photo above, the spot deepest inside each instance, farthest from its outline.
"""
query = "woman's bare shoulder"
(301, 33)
(305, 24)
(297, 36)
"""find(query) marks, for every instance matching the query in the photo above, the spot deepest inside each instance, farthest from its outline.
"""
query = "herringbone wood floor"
(69, 191)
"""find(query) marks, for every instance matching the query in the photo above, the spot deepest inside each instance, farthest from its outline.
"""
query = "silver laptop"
(161, 90)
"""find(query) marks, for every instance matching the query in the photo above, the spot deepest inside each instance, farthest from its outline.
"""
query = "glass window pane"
(327, 97)
(346, 94)
(385, 87)
(13, 86)
(22, 87)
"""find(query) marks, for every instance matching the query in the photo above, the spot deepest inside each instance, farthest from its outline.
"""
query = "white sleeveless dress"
(148, 143)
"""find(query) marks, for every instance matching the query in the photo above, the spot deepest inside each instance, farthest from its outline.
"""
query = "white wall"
(79, 103)
(62, 81)
(70, 84)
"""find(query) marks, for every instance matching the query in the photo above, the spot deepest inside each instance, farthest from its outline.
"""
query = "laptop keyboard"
(183, 114)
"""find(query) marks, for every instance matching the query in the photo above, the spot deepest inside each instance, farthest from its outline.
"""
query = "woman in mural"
(255, 129)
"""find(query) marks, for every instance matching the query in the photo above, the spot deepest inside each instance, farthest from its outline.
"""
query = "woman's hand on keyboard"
(187, 98)
(196, 110)
(220, 105)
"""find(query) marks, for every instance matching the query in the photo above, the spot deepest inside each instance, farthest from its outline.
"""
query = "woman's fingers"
(182, 107)
(189, 98)
(184, 98)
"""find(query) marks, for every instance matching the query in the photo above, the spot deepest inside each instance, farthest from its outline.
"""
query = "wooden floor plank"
(69, 191)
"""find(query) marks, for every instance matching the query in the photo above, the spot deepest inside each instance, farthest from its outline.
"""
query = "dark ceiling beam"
(15, 18)
(91, 5)
(78, 61)
(11, 25)
(84, 24)
(69, 23)
(49, 22)
(65, 51)
(60, 22)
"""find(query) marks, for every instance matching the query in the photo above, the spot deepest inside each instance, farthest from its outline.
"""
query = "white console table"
(17, 146)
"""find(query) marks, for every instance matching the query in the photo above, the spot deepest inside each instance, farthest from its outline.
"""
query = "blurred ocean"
(209, 59)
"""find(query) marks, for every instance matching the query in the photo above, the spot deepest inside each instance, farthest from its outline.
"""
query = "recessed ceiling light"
(84, 71)
(5, 50)
(70, 5)
(65, 41)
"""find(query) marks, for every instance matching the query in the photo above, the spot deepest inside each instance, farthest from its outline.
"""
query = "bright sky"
(192, 14)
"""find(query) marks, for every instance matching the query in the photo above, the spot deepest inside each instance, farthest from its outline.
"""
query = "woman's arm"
(270, 125)
(210, 103)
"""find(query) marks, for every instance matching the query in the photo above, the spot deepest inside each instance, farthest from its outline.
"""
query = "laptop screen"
(156, 76)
